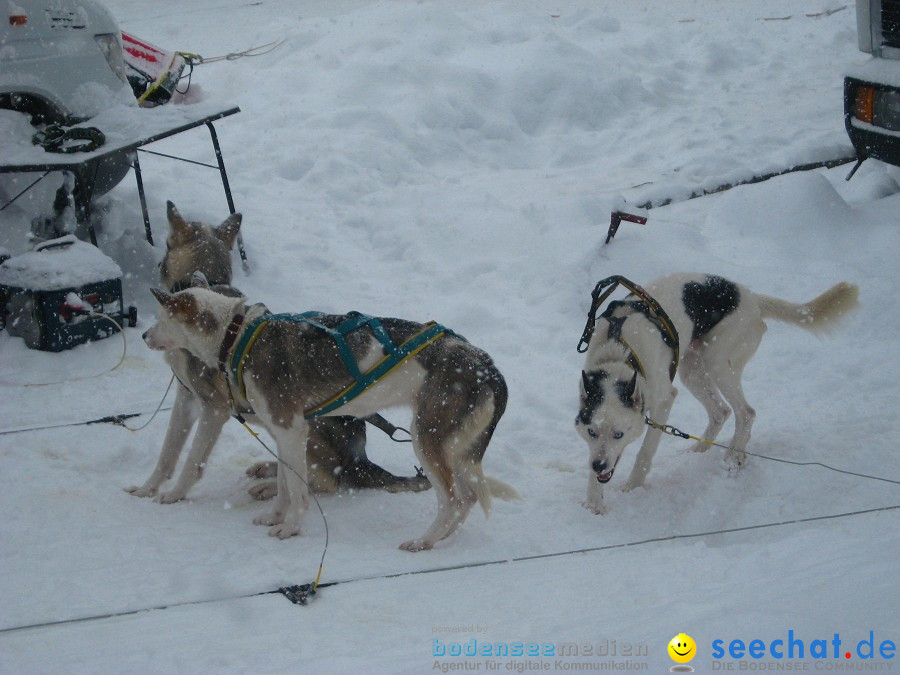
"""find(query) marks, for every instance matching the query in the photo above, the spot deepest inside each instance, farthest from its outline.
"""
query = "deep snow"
(458, 161)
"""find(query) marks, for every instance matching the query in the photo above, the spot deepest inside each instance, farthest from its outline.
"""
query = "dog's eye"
(617, 435)
(591, 433)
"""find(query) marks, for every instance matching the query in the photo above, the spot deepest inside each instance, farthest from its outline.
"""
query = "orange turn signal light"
(864, 106)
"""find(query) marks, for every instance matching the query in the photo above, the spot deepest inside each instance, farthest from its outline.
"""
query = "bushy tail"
(485, 421)
(817, 315)
(486, 488)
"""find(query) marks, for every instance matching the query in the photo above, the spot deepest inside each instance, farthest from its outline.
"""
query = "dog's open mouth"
(605, 476)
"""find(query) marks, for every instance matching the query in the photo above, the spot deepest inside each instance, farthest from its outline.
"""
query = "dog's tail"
(485, 420)
(817, 315)
(487, 488)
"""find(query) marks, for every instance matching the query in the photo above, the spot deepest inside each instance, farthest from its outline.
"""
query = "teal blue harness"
(395, 355)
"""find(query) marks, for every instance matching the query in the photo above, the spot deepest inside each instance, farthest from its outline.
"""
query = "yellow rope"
(255, 435)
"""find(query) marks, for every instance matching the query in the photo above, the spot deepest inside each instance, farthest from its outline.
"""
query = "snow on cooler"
(58, 264)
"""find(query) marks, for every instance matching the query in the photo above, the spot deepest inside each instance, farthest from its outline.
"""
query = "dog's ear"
(179, 228)
(172, 213)
(227, 232)
(632, 394)
(585, 382)
(161, 296)
(179, 304)
(199, 280)
(631, 386)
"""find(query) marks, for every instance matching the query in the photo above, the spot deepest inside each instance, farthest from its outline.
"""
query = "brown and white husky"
(199, 254)
(455, 391)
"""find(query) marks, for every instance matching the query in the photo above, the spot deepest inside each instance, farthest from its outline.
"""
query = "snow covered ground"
(457, 161)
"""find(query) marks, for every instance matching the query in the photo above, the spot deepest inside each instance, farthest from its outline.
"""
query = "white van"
(872, 90)
(61, 62)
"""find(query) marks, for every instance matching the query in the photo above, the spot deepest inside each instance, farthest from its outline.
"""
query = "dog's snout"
(144, 336)
(598, 465)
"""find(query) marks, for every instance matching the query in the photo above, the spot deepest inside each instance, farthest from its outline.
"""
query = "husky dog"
(454, 389)
(629, 366)
(198, 254)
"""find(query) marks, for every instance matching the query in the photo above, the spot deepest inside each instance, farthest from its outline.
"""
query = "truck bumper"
(872, 119)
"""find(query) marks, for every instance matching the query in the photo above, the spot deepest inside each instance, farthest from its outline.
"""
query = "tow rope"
(678, 433)
(646, 305)
(259, 50)
(154, 73)
(395, 355)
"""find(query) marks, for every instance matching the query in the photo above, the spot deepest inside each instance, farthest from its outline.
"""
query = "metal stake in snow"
(622, 212)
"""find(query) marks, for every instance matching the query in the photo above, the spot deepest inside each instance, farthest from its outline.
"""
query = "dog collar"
(231, 336)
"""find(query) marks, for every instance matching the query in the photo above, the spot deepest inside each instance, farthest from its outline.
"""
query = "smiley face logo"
(682, 648)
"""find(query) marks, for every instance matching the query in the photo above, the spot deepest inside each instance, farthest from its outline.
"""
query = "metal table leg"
(221, 162)
(143, 198)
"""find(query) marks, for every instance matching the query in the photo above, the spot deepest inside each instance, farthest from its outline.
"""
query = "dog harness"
(645, 305)
(395, 355)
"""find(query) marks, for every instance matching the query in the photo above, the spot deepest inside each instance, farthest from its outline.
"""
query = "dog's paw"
(597, 508)
(169, 497)
(735, 460)
(263, 491)
(284, 531)
(631, 485)
(414, 545)
(415, 484)
(274, 518)
(263, 470)
(140, 491)
(699, 447)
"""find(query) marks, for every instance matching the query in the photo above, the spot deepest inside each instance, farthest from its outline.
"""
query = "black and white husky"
(626, 376)
(454, 389)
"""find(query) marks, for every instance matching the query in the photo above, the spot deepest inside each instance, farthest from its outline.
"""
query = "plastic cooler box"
(53, 297)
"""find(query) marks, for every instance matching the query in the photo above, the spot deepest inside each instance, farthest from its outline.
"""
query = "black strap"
(379, 422)
(646, 305)
(643, 308)
(54, 136)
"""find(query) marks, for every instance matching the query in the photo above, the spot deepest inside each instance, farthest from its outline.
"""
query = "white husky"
(288, 368)
(629, 365)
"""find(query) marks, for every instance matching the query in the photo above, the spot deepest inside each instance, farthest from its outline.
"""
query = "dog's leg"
(455, 499)
(184, 414)
(212, 419)
(357, 471)
(744, 415)
(450, 435)
(696, 378)
(292, 499)
(642, 463)
(280, 501)
(336, 456)
(267, 473)
(327, 449)
(594, 501)
(726, 358)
